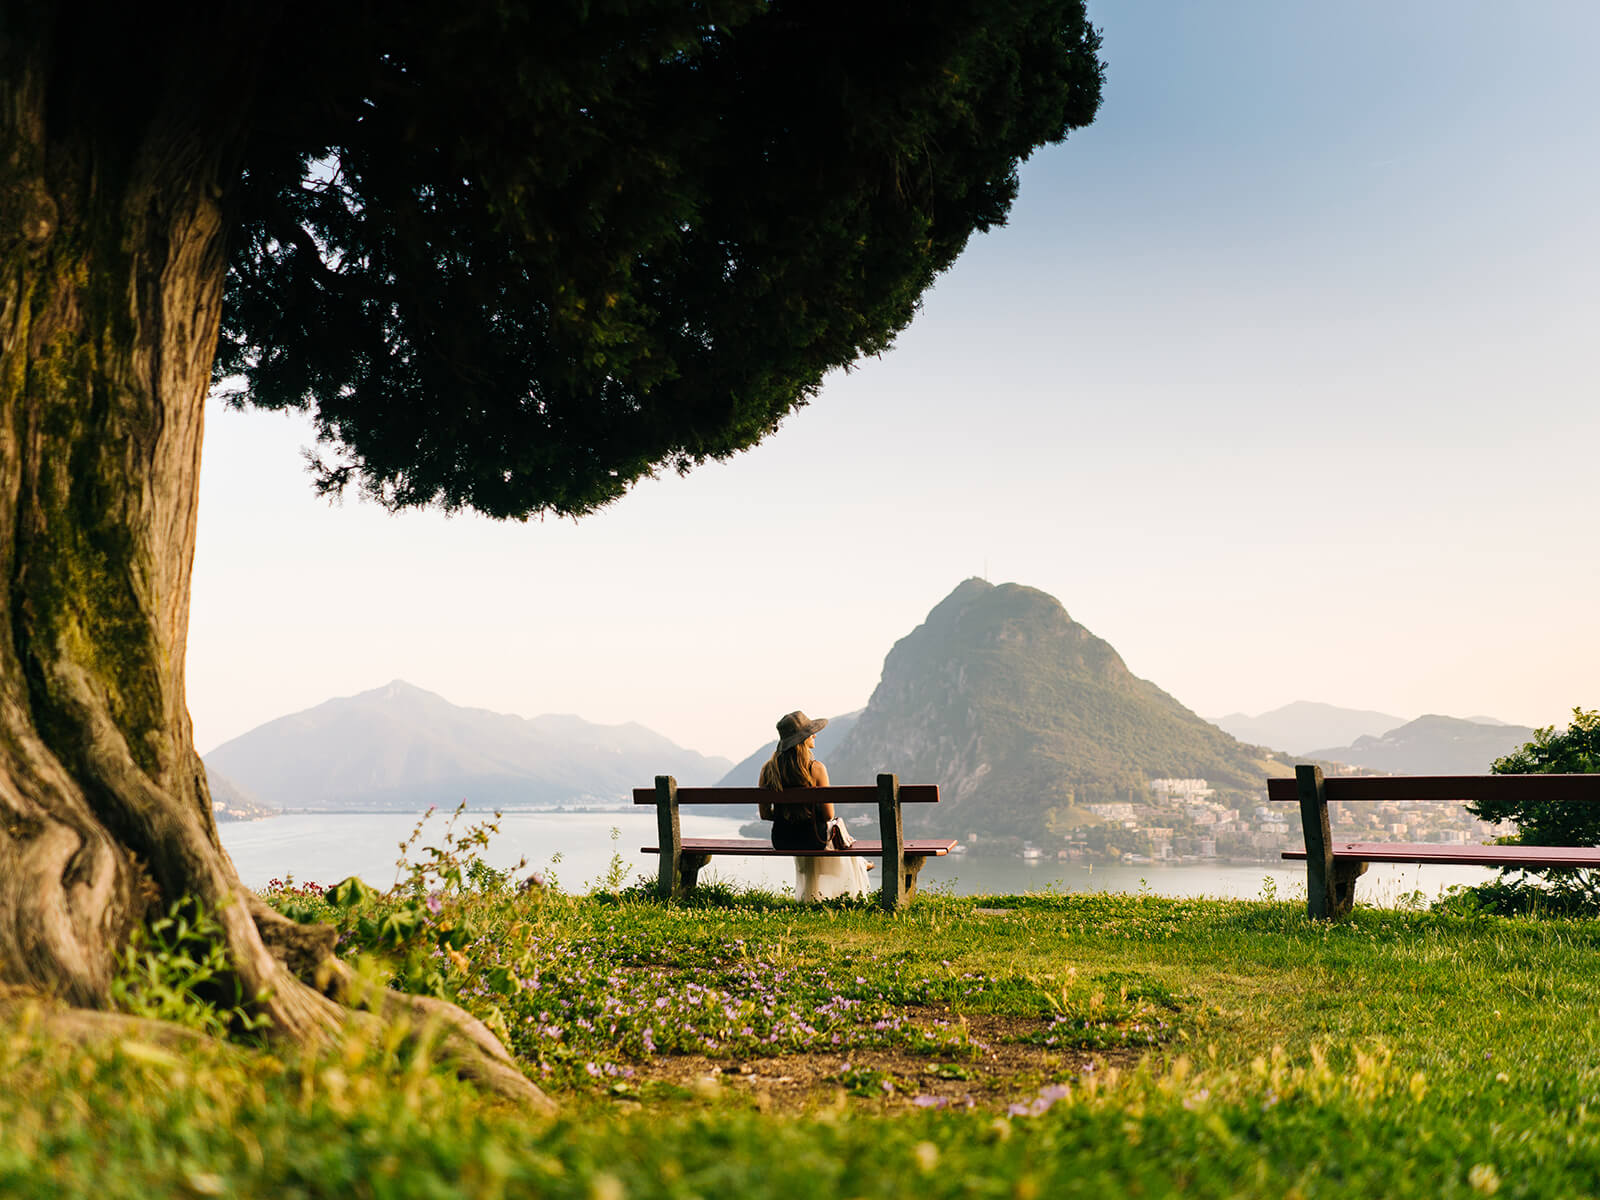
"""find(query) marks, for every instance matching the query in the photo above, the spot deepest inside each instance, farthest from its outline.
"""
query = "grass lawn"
(744, 1045)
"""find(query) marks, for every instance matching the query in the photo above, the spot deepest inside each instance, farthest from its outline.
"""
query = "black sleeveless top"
(798, 827)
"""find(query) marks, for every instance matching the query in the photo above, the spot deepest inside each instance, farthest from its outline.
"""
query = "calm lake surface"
(577, 849)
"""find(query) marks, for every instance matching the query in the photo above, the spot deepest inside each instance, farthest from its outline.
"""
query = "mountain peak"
(397, 688)
(967, 589)
(396, 691)
(1010, 705)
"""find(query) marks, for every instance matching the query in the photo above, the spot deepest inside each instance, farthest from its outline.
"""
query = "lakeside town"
(1188, 820)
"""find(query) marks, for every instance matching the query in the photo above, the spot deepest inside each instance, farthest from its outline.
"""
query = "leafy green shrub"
(176, 969)
(1572, 751)
(415, 932)
(1565, 891)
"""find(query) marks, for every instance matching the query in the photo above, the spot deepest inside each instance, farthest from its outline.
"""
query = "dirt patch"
(999, 1070)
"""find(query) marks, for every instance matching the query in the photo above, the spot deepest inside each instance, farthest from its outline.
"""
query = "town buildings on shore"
(1188, 820)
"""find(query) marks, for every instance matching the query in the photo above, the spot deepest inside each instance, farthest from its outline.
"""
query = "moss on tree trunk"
(112, 263)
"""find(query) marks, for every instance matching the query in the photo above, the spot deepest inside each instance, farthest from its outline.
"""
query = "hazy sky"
(1282, 378)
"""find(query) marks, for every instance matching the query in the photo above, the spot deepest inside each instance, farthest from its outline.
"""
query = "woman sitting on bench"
(808, 826)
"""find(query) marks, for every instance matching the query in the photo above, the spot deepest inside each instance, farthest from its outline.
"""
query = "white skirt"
(826, 878)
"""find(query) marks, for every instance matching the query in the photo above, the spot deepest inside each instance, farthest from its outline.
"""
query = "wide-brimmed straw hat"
(796, 727)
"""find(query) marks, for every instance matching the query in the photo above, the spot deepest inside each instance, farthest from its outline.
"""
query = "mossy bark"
(112, 265)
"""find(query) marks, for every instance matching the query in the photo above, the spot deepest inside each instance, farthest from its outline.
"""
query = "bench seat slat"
(915, 847)
(910, 793)
(1478, 856)
(1446, 787)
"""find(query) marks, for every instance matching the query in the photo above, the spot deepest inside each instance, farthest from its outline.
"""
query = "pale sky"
(1282, 378)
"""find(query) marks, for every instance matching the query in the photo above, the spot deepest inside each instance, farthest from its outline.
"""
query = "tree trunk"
(112, 264)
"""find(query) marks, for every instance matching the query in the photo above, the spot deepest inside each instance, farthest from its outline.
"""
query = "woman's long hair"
(789, 768)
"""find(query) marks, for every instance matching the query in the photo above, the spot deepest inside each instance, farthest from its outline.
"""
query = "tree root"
(463, 1042)
(30, 1010)
(456, 1038)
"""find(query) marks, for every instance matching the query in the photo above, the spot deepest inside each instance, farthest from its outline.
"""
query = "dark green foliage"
(1572, 751)
(176, 969)
(514, 257)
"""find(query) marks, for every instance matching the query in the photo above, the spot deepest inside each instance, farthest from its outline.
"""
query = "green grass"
(1237, 1050)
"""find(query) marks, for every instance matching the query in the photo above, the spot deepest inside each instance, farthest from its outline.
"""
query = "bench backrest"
(910, 793)
(1443, 787)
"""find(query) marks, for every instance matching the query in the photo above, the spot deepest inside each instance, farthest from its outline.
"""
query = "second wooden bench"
(1332, 867)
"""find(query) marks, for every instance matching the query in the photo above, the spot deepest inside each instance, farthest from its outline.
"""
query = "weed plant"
(175, 968)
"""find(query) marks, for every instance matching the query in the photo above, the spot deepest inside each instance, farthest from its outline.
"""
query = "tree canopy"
(508, 256)
(1574, 750)
(515, 257)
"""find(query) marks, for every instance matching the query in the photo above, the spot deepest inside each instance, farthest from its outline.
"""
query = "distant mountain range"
(1431, 745)
(1022, 717)
(1307, 729)
(1020, 714)
(1298, 727)
(400, 747)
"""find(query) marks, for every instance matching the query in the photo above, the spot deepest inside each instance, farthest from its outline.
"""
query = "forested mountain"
(1432, 745)
(1022, 716)
(399, 747)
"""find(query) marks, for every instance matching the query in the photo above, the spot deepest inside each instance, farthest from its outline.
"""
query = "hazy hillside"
(230, 802)
(1022, 716)
(1432, 745)
(401, 747)
(1299, 726)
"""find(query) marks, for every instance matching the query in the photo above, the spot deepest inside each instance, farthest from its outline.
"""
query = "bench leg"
(1345, 873)
(913, 869)
(689, 872)
(671, 843)
(1321, 904)
(895, 898)
(894, 892)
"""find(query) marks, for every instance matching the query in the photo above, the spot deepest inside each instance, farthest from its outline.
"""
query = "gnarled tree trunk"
(112, 264)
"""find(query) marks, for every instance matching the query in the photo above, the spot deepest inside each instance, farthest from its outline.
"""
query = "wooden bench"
(1332, 868)
(682, 858)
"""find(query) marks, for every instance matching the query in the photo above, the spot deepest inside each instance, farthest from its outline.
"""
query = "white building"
(1185, 789)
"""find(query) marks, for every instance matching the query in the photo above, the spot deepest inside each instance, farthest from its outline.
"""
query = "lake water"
(578, 847)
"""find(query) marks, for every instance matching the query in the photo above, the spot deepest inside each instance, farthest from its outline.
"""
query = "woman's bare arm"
(819, 777)
(768, 813)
